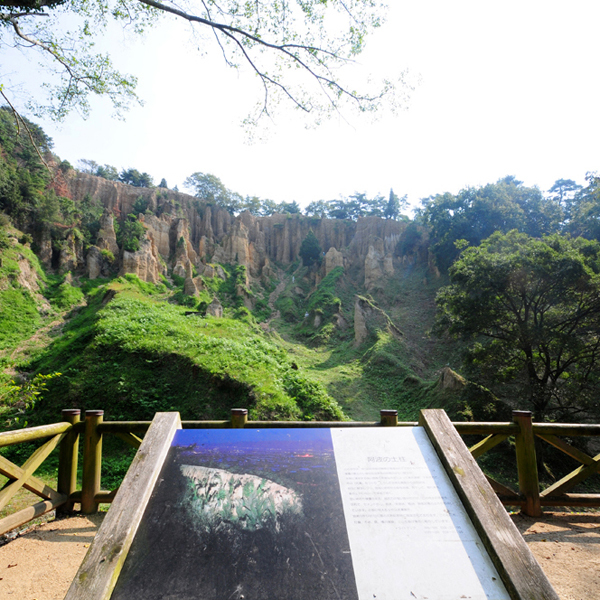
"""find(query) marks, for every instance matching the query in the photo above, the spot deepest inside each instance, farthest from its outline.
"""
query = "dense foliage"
(310, 250)
(146, 355)
(531, 307)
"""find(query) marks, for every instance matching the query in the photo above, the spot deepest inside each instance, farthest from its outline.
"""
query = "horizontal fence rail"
(66, 435)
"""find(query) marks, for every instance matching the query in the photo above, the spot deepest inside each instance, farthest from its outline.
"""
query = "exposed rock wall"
(212, 235)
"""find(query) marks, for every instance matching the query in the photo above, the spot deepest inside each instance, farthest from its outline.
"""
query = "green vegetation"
(130, 232)
(310, 250)
(146, 355)
(531, 310)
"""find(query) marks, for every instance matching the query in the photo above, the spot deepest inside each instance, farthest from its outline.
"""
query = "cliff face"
(183, 231)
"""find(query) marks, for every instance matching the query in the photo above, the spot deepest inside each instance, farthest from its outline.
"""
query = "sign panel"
(306, 514)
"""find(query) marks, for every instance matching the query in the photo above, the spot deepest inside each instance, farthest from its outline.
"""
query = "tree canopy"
(294, 47)
(358, 205)
(475, 213)
(531, 310)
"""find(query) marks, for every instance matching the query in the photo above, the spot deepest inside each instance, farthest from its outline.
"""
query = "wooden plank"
(102, 564)
(569, 450)
(28, 468)
(572, 479)
(129, 438)
(567, 429)
(124, 426)
(9, 438)
(486, 428)
(503, 490)
(33, 484)
(31, 512)
(520, 572)
(491, 441)
(579, 500)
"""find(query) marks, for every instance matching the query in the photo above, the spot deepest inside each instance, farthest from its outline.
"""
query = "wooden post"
(67, 461)
(389, 418)
(92, 461)
(239, 417)
(103, 562)
(529, 485)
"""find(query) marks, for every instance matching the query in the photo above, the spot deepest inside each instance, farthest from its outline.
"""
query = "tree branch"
(19, 118)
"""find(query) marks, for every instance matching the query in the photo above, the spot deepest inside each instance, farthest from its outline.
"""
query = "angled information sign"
(313, 513)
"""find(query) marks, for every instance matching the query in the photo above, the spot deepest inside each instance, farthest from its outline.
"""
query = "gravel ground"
(40, 563)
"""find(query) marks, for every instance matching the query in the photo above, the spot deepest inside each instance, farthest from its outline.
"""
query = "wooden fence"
(66, 435)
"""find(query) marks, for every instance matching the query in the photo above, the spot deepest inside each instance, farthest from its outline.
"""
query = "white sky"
(507, 88)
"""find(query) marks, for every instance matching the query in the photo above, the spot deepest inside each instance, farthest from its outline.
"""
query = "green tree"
(290, 208)
(475, 213)
(585, 209)
(268, 207)
(317, 208)
(563, 192)
(531, 310)
(211, 189)
(312, 39)
(253, 205)
(107, 172)
(394, 205)
(310, 250)
(135, 178)
(130, 232)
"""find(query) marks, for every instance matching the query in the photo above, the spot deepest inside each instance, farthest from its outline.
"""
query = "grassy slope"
(383, 372)
(132, 353)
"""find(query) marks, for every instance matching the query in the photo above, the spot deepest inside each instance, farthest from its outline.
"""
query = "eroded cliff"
(182, 231)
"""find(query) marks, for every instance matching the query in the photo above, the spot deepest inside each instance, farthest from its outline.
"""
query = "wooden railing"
(67, 433)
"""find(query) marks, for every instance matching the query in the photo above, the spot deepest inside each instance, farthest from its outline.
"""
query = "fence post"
(529, 484)
(239, 417)
(67, 459)
(389, 418)
(92, 461)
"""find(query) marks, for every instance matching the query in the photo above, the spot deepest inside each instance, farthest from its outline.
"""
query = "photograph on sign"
(243, 514)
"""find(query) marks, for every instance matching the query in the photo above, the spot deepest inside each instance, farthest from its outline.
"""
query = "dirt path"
(567, 546)
(40, 564)
(273, 298)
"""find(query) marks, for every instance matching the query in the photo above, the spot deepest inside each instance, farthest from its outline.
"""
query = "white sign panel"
(410, 537)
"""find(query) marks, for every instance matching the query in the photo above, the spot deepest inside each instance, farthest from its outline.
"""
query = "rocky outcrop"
(250, 502)
(451, 380)
(333, 259)
(368, 319)
(186, 230)
(361, 332)
(107, 238)
(193, 286)
(45, 248)
(94, 262)
(373, 270)
(71, 255)
(145, 263)
(215, 309)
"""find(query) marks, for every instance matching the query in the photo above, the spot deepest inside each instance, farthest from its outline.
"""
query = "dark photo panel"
(243, 514)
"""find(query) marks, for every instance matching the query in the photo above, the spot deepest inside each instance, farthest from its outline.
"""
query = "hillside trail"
(40, 563)
(41, 338)
(273, 297)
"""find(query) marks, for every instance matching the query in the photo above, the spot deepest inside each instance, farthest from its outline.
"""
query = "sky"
(506, 88)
